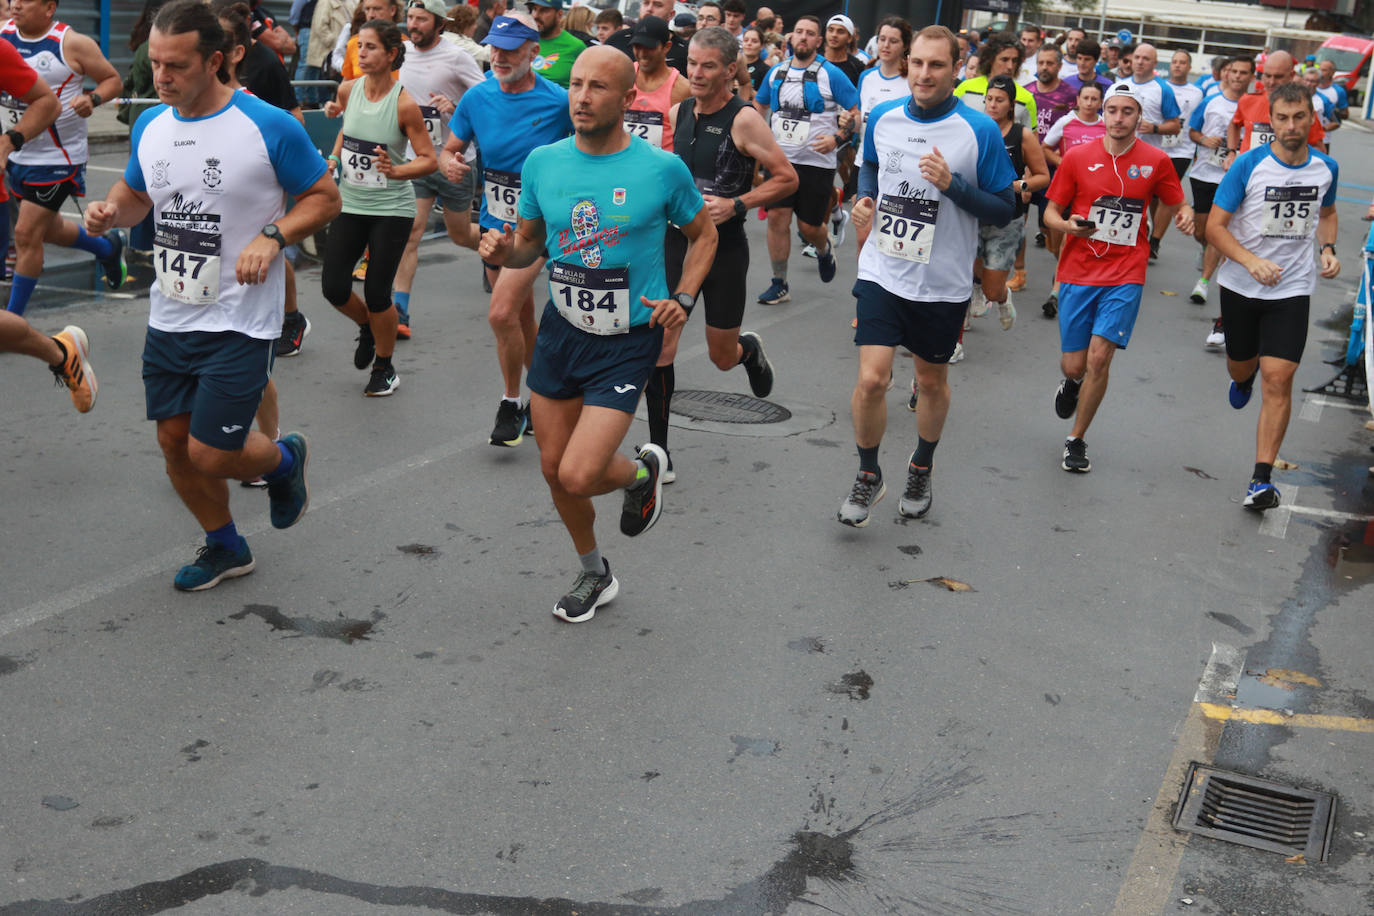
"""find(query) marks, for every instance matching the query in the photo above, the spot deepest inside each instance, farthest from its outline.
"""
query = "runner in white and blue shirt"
(1274, 201)
(933, 169)
(215, 165)
(1179, 147)
(1159, 114)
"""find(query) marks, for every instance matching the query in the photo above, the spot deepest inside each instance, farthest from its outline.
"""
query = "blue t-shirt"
(603, 212)
(506, 127)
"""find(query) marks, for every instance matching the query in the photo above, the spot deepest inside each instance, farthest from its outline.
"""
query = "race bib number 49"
(1288, 212)
(906, 227)
(647, 125)
(502, 191)
(187, 264)
(595, 300)
(360, 163)
(792, 126)
(1118, 220)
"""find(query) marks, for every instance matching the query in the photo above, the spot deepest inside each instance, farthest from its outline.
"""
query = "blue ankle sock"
(20, 291)
(288, 462)
(97, 245)
(227, 537)
(402, 300)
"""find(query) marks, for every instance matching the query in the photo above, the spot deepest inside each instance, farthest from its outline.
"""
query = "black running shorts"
(1264, 327)
(722, 294)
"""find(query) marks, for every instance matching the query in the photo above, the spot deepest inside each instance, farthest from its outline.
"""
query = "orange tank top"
(647, 116)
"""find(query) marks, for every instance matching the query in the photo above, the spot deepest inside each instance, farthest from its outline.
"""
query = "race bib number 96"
(906, 227)
(360, 163)
(1288, 212)
(187, 263)
(595, 300)
(1118, 220)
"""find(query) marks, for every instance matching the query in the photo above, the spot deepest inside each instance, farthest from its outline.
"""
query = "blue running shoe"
(213, 564)
(290, 496)
(825, 263)
(775, 293)
(1241, 391)
(1261, 495)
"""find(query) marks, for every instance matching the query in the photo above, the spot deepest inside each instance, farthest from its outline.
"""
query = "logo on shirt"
(894, 163)
(211, 173)
(160, 168)
(618, 197)
(1146, 171)
(586, 220)
(543, 62)
(1095, 166)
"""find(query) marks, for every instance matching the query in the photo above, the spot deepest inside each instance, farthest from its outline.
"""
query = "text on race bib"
(1118, 220)
(792, 126)
(647, 125)
(1289, 212)
(1261, 134)
(502, 190)
(187, 262)
(434, 125)
(1217, 157)
(906, 227)
(595, 300)
(11, 110)
(359, 163)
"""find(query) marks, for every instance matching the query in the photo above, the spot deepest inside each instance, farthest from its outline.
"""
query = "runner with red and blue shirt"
(1099, 200)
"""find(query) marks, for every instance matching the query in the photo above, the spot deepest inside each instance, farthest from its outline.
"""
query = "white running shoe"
(1216, 338)
(958, 355)
(839, 221)
(978, 304)
(808, 250)
(1006, 313)
(1199, 294)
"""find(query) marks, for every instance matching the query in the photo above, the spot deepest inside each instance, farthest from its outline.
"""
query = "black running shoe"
(114, 268)
(915, 396)
(367, 348)
(1066, 398)
(383, 383)
(529, 421)
(757, 365)
(589, 592)
(1154, 249)
(294, 327)
(1076, 456)
(644, 500)
(510, 425)
(1039, 240)
(916, 499)
(1051, 306)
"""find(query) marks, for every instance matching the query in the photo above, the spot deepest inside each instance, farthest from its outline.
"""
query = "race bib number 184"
(595, 300)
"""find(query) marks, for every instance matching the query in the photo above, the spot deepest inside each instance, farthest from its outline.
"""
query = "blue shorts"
(1086, 312)
(49, 186)
(215, 376)
(928, 329)
(605, 371)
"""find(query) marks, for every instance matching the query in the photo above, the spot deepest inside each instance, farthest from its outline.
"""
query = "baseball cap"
(509, 33)
(684, 20)
(435, 8)
(650, 32)
(841, 19)
(1122, 90)
(555, 4)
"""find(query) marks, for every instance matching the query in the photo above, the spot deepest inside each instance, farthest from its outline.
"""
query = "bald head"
(1143, 60)
(1279, 66)
(602, 62)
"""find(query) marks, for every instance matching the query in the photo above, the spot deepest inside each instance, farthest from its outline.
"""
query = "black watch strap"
(687, 301)
(740, 208)
(273, 233)
(16, 138)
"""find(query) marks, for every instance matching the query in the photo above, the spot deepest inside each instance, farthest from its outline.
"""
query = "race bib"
(595, 300)
(906, 227)
(503, 194)
(434, 125)
(1118, 219)
(1174, 141)
(187, 264)
(360, 163)
(1217, 157)
(792, 126)
(1288, 212)
(11, 110)
(1261, 134)
(647, 125)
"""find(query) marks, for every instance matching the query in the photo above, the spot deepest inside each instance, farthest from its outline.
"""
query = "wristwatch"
(687, 301)
(95, 99)
(273, 233)
(1023, 185)
(16, 139)
(1326, 245)
(740, 208)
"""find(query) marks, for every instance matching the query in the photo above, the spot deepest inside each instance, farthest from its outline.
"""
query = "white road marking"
(1312, 406)
(103, 168)
(1275, 523)
(1219, 678)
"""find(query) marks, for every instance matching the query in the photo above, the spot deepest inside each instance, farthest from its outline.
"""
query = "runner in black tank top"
(720, 138)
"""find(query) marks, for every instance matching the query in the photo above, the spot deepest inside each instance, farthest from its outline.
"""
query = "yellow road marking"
(1297, 720)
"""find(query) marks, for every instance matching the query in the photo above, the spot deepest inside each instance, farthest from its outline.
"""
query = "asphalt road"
(778, 714)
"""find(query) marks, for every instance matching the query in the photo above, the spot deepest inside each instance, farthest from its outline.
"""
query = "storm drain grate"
(726, 407)
(1255, 812)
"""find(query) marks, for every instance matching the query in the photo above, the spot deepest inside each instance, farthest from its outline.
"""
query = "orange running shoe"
(75, 371)
(1017, 282)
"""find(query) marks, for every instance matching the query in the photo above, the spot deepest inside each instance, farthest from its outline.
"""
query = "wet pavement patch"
(9, 664)
(1199, 472)
(60, 802)
(192, 750)
(420, 551)
(808, 644)
(854, 685)
(754, 747)
(910, 550)
(342, 628)
(1232, 622)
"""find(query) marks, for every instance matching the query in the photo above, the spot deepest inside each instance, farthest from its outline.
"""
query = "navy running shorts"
(605, 371)
(215, 376)
(929, 330)
(49, 186)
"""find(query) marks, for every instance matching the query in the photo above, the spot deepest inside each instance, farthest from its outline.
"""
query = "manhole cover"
(726, 407)
(1256, 812)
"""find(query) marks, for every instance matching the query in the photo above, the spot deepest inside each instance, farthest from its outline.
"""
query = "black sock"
(925, 452)
(658, 394)
(750, 350)
(1248, 384)
(1262, 471)
(868, 460)
(382, 362)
